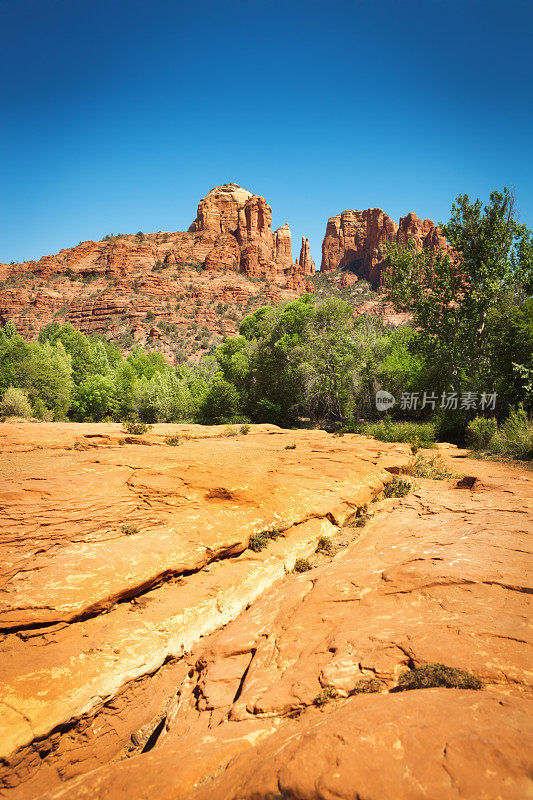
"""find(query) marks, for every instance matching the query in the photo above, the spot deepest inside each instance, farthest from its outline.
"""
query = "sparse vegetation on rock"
(397, 488)
(327, 694)
(302, 565)
(129, 529)
(325, 545)
(258, 541)
(367, 686)
(434, 674)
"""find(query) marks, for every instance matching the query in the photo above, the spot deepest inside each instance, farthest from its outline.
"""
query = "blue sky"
(118, 116)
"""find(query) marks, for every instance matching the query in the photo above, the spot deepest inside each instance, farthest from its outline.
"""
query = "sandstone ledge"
(214, 672)
(86, 609)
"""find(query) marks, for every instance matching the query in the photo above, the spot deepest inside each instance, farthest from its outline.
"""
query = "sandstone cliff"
(356, 239)
(177, 291)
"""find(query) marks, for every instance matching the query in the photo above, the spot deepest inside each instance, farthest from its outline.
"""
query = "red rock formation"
(355, 240)
(108, 286)
(219, 210)
(306, 262)
(282, 245)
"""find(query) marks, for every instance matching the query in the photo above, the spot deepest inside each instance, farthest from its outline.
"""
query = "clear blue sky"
(118, 116)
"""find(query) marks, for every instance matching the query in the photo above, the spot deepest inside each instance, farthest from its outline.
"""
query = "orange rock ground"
(176, 663)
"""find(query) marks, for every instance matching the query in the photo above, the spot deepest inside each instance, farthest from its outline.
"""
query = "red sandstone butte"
(356, 239)
(229, 257)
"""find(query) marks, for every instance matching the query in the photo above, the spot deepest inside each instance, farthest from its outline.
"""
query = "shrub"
(367, 686)
(136, 427)
(397, 488)
(244, 429)
(451, 426)
(15, 403)
(421, 433)
(258, 541)
(431, 675)
(480, 432)
(290, 447)
(325, 545)
(421, 467)
(231, 430)
(173, 440)
(302, 565)
(128, 529)
(514, 437)
(328, 693)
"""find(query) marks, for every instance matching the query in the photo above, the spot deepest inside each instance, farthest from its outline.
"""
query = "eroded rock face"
(356, 239)
(439, 576)
(282, 245)
(306, 262)
(109, 286)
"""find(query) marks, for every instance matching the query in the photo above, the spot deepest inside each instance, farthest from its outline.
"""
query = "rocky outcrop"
(282, 245)
(306, 262)
(355, 240)
(179, 661)
(219, 210)
(107, 286)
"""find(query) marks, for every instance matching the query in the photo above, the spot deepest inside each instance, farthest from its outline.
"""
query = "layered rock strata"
(181, 278)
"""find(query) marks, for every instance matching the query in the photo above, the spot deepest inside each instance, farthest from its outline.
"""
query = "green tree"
(451, 295)
(222, 401)
(146, 364)
(15, 403)
(94, 399)
(75, 343)
(42, 370)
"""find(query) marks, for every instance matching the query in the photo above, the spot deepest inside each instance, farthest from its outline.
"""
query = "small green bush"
(173, 440)
(136, 427)
(421, 467)
(397, 488)
(128, 529)
(245, 429)
(325, 545)
(15, 403)
(367, 686)
(421, 433)
(480, 432)
(290, 447)
(328, 693)
(302, 565)
(514, 437)
(258, 541)
(431, 675)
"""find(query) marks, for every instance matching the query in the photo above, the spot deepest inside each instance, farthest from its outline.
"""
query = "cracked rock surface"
(195, 673)
(89, 610)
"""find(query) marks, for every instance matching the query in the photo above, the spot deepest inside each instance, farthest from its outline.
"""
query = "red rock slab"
(435, 743)
(65, 556)
(441, 575)
(52, 677)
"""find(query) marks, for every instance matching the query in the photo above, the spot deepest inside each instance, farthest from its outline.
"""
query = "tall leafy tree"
(452, 295)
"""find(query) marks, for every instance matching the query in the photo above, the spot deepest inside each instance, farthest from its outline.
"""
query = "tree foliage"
(454, 297)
